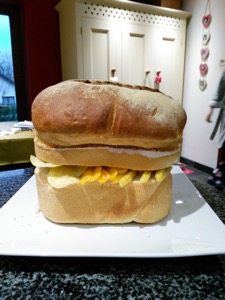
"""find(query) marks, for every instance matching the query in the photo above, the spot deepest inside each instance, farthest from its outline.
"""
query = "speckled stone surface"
(111, 278)
(215, 198)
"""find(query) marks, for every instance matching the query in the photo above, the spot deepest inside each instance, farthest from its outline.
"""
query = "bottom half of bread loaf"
(95, 203)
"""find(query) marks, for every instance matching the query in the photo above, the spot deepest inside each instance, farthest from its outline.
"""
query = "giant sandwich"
(104, 152)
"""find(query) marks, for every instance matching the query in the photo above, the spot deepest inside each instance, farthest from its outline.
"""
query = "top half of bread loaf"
(96, 108)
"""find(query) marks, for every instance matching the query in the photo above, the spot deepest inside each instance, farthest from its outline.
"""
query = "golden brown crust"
(90, 112)
(95, 203)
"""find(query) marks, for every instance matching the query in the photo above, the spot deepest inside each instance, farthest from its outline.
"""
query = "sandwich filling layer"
(62, 176)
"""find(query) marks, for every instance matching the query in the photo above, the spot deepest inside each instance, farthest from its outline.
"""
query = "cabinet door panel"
(169, 58)
(136, 54)
(101, 49)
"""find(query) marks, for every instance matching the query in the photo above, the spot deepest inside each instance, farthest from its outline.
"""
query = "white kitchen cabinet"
(126, 39)
(101, 49)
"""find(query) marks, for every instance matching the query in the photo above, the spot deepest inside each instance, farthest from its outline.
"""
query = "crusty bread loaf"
(95, 203)
(97, 123)
(104, 113)
(130, 126)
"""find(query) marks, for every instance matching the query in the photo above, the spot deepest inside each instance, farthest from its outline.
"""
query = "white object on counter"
(27, 125)
(9, 132)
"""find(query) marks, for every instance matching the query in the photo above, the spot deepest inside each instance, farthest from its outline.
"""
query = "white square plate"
(191, 228)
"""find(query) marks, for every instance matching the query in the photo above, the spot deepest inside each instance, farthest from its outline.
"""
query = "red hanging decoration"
(204, 52)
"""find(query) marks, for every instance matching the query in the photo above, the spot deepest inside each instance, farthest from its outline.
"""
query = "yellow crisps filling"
(62, 176)
(127, 178)
(160, 174)
(145, 176)
(105, 176)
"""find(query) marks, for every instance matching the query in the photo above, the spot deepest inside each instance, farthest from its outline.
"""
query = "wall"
(196, 143)
(42, 45)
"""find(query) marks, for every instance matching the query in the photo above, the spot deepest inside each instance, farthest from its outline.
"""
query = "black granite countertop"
(111, 278)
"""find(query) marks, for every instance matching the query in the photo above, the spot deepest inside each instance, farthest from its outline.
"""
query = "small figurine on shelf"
(113, 75)
(158, 79)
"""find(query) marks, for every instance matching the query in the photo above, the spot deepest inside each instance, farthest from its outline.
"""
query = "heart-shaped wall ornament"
(202, 83)
(206, 20)
(205, 38)
(204, 53)
(203, 69)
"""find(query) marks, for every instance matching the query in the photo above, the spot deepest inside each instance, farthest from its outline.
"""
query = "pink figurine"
(158, 77)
